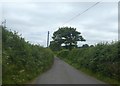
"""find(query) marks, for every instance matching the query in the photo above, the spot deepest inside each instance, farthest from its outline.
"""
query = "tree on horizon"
(66, 37)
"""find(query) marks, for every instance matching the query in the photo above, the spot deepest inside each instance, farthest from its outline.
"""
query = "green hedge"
(63, 54)
(22, 61)
(102, 58)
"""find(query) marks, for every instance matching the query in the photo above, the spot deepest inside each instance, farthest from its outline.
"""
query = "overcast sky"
(34, 19)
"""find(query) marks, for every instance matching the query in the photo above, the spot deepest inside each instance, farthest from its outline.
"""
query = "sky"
(34, 19)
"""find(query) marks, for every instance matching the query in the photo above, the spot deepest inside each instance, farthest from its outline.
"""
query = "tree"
(55, 46)
(91, 45)
(68, 37)
(85, 46)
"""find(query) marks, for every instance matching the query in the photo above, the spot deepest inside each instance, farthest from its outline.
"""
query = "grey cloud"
(33, 20)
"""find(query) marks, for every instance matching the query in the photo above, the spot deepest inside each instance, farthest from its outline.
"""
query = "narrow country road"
(63, 73)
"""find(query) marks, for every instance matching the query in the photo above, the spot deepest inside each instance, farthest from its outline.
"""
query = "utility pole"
(48, 39)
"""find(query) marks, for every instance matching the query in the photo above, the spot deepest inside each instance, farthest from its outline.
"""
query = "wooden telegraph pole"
(48, 39)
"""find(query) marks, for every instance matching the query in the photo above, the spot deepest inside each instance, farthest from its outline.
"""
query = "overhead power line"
(81, 13)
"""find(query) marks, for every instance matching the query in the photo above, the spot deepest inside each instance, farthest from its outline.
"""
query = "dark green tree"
(85, 46)
(55, 46)
(68, 37)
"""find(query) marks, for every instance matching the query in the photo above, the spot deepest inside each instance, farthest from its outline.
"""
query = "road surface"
(63, 73)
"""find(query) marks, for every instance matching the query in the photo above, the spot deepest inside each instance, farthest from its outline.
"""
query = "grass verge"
(98, 76)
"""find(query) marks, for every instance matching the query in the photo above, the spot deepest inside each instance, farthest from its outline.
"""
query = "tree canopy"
(66, 37)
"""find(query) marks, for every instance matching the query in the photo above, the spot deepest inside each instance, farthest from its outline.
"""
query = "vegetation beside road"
(22, 61)
(101, 61)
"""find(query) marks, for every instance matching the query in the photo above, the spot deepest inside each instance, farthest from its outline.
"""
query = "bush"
(63, 53)
(22, 61)
(103, 59)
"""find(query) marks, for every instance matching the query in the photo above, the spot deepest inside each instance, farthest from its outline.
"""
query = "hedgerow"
(103, 58)
(22, 61)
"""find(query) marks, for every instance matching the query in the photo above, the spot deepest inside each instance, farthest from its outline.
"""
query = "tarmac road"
(63, 73)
